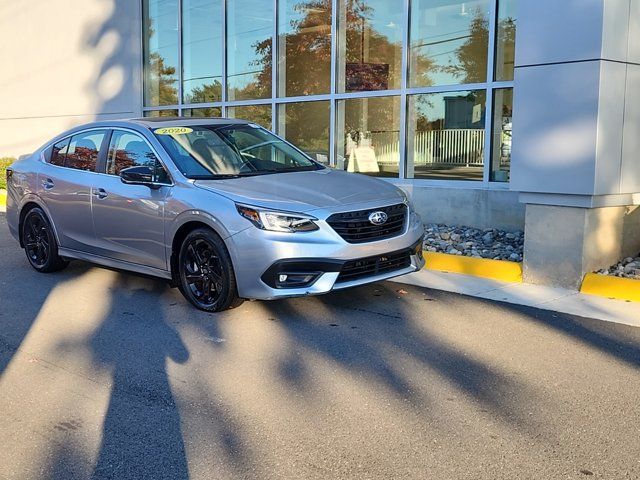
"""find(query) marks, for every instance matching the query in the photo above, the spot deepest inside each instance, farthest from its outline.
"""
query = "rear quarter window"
(58, 151)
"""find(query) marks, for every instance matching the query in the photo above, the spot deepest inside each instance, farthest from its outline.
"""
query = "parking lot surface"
(105, 374)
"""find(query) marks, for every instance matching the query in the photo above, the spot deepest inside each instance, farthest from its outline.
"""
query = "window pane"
(161, 113)
(260, 114)
(128, 150)
(506, 39)
(160, 52)
(371, 45)
(306, 125)
(449, 42)
(202, 112)
(369, 136)
(304, 43)
(83, 150)
(501, 144)
(249, 30)
(445, 137)
(202, 50)
(58, 152)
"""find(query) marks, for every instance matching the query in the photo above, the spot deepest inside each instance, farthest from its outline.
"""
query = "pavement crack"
(364, 310)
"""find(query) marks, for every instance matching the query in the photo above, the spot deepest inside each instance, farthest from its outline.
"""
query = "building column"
(562, 244)
(575, 127)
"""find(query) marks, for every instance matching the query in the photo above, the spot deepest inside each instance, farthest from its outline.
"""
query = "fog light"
(292, 280)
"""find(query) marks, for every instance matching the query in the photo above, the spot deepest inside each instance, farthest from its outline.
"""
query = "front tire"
(40, 243)
(205, 272)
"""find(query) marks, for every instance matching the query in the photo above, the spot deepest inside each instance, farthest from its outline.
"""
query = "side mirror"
(137, 176)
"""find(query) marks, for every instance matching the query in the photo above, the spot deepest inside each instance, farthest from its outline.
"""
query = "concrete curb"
(611, 287)
(502, 270)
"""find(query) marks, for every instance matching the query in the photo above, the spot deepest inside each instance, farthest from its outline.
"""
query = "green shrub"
(4, 163)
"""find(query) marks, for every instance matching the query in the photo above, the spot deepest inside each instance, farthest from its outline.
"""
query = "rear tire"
(40, 243)
(205, 272)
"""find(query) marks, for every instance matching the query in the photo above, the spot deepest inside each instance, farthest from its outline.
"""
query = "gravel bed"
(627, 268)
(474, 242)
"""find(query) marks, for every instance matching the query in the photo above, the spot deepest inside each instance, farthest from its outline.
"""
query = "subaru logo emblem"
(378, 218)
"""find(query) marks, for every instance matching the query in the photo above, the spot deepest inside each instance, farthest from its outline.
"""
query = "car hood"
(304, 191)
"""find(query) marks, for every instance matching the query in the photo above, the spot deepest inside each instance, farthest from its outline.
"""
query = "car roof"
(155, 122)
(150, 123)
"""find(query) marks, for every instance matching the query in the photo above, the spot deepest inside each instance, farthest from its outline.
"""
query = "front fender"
(195, 216)
(217, 225)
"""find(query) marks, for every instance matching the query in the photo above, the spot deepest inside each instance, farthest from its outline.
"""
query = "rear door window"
(83, 150)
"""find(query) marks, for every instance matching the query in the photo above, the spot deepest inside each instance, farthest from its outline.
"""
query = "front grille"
(371, 266)
(355, 227)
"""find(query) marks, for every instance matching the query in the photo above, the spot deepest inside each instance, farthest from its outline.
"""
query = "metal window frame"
(404, 92)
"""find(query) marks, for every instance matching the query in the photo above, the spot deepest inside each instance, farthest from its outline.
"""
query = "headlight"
(278, 221)
(407, 201)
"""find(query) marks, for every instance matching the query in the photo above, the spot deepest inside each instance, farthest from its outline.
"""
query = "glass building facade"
(405, 89)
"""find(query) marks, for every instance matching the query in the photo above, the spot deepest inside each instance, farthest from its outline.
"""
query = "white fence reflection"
(455, 147)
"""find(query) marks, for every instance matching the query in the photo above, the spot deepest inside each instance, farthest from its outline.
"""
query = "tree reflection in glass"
(449, 42)
(506, 40)
(160, 52)
(260, 114)
(304, 46)
(370, 45)
(202, 50)
(306, 125)
(249, 30)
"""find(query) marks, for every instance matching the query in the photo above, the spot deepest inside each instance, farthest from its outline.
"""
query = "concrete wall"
(65, 63)
(474, 207)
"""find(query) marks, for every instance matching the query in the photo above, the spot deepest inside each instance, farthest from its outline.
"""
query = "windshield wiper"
(216, 176)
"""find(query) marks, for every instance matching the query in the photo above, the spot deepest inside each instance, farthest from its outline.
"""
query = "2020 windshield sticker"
(173, 131)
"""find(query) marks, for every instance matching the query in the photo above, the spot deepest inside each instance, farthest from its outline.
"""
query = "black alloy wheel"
(207, 278)
(40, 242)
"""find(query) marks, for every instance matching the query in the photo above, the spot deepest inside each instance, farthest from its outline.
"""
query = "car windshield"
(230, 151)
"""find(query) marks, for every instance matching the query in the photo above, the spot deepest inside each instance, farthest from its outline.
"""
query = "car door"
(65, 187)
(129, 219)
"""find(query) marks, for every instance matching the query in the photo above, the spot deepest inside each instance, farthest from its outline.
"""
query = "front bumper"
(260, 257)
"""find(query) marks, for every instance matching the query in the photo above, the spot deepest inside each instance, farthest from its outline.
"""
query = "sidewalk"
(538, 296)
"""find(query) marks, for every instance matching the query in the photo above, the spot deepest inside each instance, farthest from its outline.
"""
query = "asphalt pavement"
(105, 374)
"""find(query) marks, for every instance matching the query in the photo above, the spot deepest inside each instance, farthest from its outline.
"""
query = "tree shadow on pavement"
(142, 436)
(392, 330)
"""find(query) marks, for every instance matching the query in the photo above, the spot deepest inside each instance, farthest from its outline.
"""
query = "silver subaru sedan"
(222, 208)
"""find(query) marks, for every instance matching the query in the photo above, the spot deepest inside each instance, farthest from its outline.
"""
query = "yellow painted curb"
(479, 267)
(3, 199)
(611, 287)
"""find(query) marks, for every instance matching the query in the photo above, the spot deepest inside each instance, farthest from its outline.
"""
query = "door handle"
(100, 193)
(47, 184)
